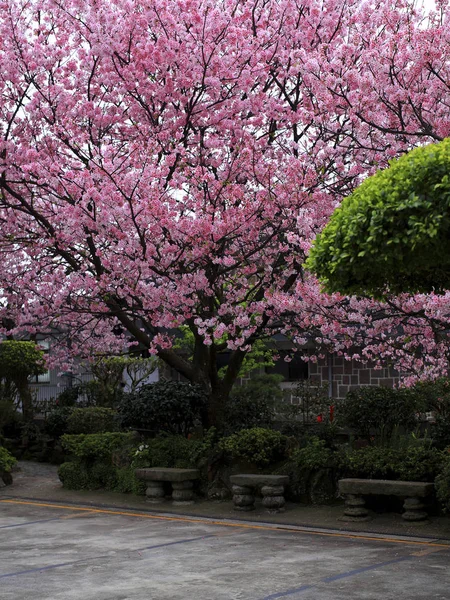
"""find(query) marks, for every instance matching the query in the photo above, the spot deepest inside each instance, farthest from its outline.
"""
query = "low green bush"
(414, 463)
(93, 419)
(314, 455)
(442, 482)
(257, 445)
(169, 406)
(73, 476)
(169, 451)
(97, 447)
(128, 483)
(7, 460)
(378, 411)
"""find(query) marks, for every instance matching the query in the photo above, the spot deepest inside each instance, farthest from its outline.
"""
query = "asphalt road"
(55, 552)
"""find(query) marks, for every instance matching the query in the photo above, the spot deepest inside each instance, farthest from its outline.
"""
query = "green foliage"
(435, 395)
(416, 462)
(253, 404)
(379, 411)
(257, 445)
(8, 414)
(97, 446)
(7, 460)
(168, 451)
(56, 421)
(20, 359)
(73, 476)
(93, 419)
(442, 482)
(393, 231)
(128, 483)
(68, 397)
(79, 476)
(170, 406)
(260, 356)
(314, 455)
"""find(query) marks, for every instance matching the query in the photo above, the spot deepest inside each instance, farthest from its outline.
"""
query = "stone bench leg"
(273, 498)
(243, 498)
(414, 510)
(182, 492)
(155, 491)
(355, 508)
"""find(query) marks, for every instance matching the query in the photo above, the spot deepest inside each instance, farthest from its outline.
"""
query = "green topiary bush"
(168, 451)
(74, 476)
(97, 447)
(94, 419)
(415, 463)
(257, 445)
(378, 411)
(7, 461)
(314, 455)
(170, 406)
(393, 231)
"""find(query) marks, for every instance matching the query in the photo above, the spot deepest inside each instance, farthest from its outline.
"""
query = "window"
(294, 370)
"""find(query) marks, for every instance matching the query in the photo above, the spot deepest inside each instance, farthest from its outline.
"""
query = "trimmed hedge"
(97, 446)
(257, 445)
(7, 461)
(94, 419)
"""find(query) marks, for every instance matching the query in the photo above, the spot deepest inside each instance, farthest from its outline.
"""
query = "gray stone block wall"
(348, 375)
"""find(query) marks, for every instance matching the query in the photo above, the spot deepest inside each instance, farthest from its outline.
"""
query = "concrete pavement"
(51, 551)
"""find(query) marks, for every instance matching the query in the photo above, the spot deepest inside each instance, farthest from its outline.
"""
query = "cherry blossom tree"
(168, 163)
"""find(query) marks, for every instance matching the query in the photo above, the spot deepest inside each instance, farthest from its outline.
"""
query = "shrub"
(68, 397)
(9, 417)
(314, 455)
(97, 447)
(253, 404)
(94, 419)
(73, 476)
(168, 451)
(56, 421)
(257, 445)
(435, 396)
(170, 406)
(415, 463)
(79, 476)
(379, 411)
(7, 461)
(442, 482)
(128, 483)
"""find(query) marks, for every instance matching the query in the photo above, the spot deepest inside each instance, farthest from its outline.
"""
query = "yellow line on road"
(240, 525)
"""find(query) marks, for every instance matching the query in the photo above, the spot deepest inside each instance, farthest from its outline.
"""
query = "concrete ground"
(73, 549)
(50, 551)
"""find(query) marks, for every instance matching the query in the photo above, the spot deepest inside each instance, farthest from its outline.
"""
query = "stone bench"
(412, 491)
(182, 481)
(272, 489)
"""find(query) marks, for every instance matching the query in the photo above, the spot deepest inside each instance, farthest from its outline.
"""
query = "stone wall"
(348, 375)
